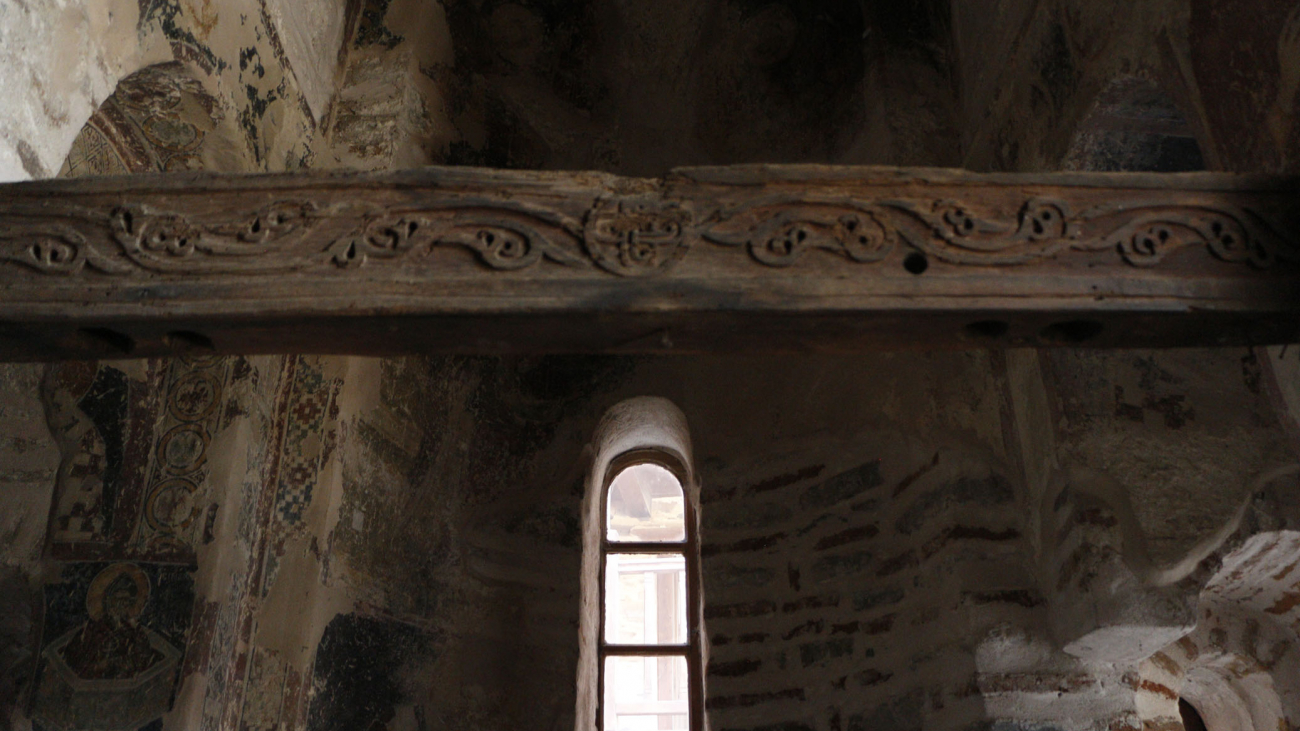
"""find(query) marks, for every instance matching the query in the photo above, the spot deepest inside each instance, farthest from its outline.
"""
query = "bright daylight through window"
(648, 644)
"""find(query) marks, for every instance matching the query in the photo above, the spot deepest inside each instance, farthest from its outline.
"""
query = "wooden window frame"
(689, 549)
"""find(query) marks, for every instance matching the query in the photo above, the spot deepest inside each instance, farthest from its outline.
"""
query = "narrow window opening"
(1192, 720)
(649, 644)
(646, 503)
(642, 656)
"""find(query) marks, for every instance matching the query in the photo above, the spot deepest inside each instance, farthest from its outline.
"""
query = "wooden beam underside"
(752, 258)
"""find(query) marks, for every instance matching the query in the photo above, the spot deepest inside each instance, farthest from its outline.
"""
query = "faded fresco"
(160, 119)
(359, 680)
(346, 544)
(306, 444)
(135, 445)
(132, 507)
(115, 637)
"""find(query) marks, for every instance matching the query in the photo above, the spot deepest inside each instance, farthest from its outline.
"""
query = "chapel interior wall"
(343, 543)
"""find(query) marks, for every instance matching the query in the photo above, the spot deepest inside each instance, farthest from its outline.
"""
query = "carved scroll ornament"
(502, 238)
(55, 249)
(626, 235)
(779, 233)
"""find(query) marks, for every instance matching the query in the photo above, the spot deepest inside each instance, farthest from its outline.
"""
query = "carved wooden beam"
(766, 258)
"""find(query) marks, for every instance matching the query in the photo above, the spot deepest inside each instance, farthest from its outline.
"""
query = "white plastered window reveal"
(642, 648)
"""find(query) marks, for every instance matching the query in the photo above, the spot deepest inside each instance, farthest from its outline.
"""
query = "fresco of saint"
(111, 645)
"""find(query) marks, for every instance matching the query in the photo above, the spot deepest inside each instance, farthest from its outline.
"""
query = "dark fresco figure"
(110, 669)
(112, 644)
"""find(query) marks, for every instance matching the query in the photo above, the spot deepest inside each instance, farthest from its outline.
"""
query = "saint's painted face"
(120, 598)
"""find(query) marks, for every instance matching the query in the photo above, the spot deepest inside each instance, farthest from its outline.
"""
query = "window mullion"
(612, 650)
(688, 652)
(647, 547)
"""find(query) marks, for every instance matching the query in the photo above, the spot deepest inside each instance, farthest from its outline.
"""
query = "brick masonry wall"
(854, 599)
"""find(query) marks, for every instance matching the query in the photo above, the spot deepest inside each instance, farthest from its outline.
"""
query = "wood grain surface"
(732, 259)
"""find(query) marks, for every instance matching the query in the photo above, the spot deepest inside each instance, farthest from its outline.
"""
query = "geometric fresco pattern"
(170, 522)
(304, 443)
(131, 501)
(310, 410)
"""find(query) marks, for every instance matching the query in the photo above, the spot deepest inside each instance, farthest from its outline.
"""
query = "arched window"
(642, 654)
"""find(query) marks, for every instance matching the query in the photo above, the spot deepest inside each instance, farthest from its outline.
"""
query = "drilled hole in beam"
(916, 262)
(110, 341)
(986, 329)
(187, 340)
(1071, 331)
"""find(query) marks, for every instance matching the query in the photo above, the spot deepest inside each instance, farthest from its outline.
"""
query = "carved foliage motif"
(504, 238)
(54, 249)
(167, 242)
(1149, 238)
(635, 235)
(778, 233)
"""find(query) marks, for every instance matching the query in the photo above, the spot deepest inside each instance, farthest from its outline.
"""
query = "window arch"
(641, 653)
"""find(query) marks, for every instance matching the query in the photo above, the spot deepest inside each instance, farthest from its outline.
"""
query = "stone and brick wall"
(856, 600)
(890, 540)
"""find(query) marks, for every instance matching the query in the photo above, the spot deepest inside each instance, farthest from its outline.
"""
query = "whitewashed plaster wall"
(272, 62)
(59, 59)
(311, 32)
